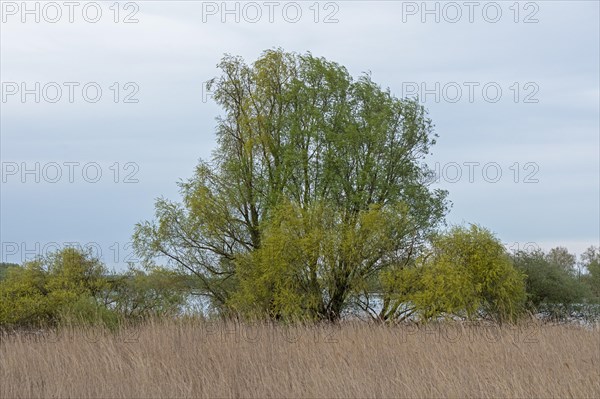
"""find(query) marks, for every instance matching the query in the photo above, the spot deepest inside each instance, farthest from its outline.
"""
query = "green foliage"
(312, 261)
(548, 281)
(561, 258)
(73, 274)
(297, 130)
(37, 293)
(71, 287)
(466, 273)
(140, 294)
(590, 260)
(23, 296)
(4, 267)
(87, 310)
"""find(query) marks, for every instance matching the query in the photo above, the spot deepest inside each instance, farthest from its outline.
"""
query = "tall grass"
(195, 358)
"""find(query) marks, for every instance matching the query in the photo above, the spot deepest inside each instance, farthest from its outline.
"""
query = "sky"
(104, 108)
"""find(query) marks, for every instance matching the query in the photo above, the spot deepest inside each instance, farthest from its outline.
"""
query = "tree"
(46, 289)
(139, 294)
(298, 131)
(4, 267)
(467, 273)
(312, 262)
(590, 260)
(548, 282)
(561, 257)
(23, 295)
(71, 286)
(72, 273)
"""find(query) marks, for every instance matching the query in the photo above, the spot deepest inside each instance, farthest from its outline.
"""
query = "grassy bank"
(202, 359)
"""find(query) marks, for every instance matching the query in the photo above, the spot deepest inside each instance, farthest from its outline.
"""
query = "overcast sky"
(512, 89)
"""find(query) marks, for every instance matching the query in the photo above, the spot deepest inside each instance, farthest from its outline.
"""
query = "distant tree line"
(71, 287)
(556, 283)
(466, 273)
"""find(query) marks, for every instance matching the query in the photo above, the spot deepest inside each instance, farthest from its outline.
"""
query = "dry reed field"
(204, 359)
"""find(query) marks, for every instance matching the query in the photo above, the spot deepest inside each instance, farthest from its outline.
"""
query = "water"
(580, 314)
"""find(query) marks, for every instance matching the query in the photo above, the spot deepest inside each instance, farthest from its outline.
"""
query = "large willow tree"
(316, 186)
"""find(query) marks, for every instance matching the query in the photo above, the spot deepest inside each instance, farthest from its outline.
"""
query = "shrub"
(547, 282)
(43, 290)
(466, 273)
